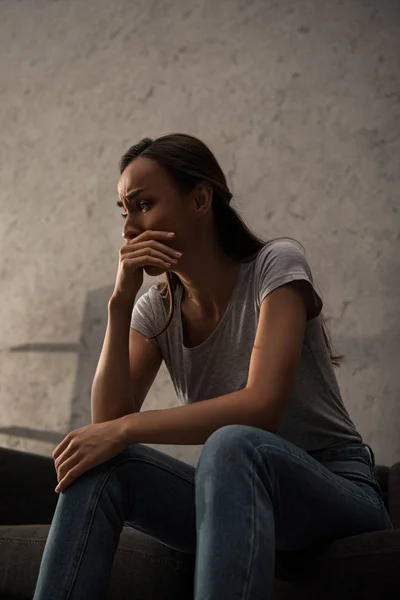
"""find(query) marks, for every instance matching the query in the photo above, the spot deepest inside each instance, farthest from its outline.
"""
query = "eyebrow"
(131, 196)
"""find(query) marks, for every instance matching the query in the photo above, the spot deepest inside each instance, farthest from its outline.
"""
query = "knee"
(133, 454)
(230, 437)
(231, 444)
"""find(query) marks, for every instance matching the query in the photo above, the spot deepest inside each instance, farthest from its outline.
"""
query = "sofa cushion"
(358, 567)
(394, 494)
(143, 568)
(361, 566)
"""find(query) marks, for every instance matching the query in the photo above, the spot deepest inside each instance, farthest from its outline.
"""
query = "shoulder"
(148, 312)
(284, 261)
(282, 255)
(151, 298)
(281, 247)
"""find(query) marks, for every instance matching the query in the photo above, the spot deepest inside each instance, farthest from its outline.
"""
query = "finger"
(65, 454)
(61, 446)
(151, 233)
(151, 252)
(148, 261)
(73, 474)
(66, 464)
(154, 246)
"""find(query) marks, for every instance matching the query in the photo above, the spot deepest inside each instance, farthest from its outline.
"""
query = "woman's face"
(158, 206)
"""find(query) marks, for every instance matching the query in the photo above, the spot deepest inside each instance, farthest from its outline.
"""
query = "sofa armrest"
(27, 488)
(394, 494)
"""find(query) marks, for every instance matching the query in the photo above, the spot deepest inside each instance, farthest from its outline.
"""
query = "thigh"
(153, 491)
(161, 496)
(27, 493)
(317, 502)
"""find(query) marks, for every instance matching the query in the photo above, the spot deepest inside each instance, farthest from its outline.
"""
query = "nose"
(129, 232)
(129, 235)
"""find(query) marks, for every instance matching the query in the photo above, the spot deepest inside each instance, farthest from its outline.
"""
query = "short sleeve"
(281, 262)
(143, 317)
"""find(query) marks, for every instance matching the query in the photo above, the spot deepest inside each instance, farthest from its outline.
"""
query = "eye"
(141, 203)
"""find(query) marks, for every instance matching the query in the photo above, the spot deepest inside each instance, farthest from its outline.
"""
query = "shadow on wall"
(88, 348)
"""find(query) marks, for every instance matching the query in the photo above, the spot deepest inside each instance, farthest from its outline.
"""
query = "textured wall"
(300, 100)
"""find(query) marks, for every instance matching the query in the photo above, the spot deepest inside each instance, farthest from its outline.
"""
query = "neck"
(208, 277)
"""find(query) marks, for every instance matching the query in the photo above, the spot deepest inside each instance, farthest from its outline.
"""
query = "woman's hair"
(188, 161)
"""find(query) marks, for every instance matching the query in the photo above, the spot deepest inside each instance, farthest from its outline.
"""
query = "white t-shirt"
(315, 416)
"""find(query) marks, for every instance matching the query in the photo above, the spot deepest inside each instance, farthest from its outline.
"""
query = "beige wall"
(300, 102)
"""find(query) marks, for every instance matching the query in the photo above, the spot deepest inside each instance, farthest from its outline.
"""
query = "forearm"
(111, 396)
(192, 424)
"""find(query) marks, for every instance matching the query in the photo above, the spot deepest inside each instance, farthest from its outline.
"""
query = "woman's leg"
(257, 493)
(140, 487)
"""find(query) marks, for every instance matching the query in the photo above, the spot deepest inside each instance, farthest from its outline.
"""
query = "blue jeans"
(252, 493)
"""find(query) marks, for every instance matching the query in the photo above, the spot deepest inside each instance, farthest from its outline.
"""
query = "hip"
(353, 461)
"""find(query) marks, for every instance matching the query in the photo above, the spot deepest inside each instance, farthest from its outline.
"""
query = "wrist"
(119, 303)
(124, 429)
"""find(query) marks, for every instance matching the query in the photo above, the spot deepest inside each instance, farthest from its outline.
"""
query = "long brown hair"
(188, 161)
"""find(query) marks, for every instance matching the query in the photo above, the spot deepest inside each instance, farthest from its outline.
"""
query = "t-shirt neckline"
(222, 321)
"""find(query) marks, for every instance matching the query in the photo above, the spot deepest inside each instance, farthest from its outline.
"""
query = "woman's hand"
(143, 251)
(85, 448)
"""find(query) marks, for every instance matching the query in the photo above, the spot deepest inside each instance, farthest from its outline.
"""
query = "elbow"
(270, 424)
(267, 413)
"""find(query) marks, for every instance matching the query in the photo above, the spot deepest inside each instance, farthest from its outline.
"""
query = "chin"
(154, 271)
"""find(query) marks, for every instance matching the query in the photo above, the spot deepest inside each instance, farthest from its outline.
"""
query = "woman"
(238, 323)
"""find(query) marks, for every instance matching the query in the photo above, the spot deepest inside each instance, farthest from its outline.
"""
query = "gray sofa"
(362, 567)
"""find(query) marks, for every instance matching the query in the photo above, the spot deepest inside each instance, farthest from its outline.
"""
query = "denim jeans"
(252, 493)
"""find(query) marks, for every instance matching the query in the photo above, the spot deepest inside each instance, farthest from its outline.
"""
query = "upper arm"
(144, 363)
(277, 348)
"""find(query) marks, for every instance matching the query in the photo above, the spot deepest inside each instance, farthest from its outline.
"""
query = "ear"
(203, 195)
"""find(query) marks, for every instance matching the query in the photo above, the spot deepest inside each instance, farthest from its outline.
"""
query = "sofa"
(362, 567)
